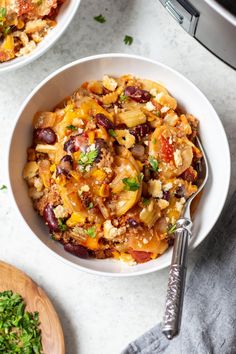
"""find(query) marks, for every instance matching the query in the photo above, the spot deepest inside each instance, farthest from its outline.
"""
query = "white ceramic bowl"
(61, 84)
(66, 14)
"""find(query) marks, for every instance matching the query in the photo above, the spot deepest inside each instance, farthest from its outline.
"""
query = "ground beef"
(106, 159)
(102, 254)
(51, 196)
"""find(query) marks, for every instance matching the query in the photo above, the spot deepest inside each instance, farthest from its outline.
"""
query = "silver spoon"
(177, 274)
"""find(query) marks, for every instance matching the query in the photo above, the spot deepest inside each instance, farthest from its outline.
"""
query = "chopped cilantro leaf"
(172, 229)
(3, 12)
(4, 187)
(87, 158)
(154, 163)
(158, 113)
(123, 97)
(154, 141)
(19, 330)
(62, 227)
(100, 18)
(90, 206)
(112, 132)
(6, 30)
(71, 127)
(91, 232)
(131, 184)
(146, 201)
(128, 40)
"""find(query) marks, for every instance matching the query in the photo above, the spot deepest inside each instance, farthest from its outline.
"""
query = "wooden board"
(35, 298)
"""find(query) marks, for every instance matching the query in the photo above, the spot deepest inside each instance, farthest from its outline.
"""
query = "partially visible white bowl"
(61, 84)
(66, 14)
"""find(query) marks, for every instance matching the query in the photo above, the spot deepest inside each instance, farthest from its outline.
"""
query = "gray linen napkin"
(209, 314)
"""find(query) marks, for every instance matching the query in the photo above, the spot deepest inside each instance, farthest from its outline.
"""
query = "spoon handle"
(176, 281)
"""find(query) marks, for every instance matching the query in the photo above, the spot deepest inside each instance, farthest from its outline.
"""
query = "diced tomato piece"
(140, 256)
(166, 149)
(189, 174)
(25, 6)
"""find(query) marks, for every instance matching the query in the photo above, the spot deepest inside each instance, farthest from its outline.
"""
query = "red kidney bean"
(171, 242)
(44, 135)
(75, 143)
(121, 126)
(50, 218)
(76, 250)
(65, 166)
(138, 95)
(132, 222)
(69, 145)
(104, 121)
(166, 195)
(67, 158)
(140, 131)
(180, 192)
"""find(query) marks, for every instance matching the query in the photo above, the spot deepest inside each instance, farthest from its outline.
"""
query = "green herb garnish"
(112, 132)
(62, 227)
(4, 187)
(87, 158)
(19, 330)
(90, 206)
(6, 30)
(91, 232)
(158, 113)
(3, 12)
(172, 229)
(71, 127)
(100, 18)
(154, 141)
(123, 97)
(131, 184)
(128, 40)
(146, 201)
(154, 163)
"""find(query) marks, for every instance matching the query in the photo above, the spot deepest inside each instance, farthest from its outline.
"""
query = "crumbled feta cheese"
(92, 147)
(109, 83)
(167, 186)
(154, 188)
(146, 142)
(178, 158)
(165, 109)
(149, 106)
(110, 231)
(107, 170)
(80, 130)
(84, 188)
(170, 140)
(77, 121)
(145, 241)
(163, 203)
(60, 212)
(171, 119)
(179, 205)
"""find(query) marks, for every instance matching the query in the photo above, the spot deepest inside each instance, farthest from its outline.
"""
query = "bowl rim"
(27, 59)
(137, 57)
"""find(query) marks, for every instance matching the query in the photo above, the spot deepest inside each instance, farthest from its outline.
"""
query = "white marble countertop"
(101, 315)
